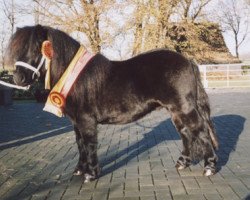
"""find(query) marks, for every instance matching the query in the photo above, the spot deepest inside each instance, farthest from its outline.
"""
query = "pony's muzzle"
(20, 79)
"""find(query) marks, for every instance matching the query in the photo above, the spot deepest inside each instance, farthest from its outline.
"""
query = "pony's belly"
(126, 115)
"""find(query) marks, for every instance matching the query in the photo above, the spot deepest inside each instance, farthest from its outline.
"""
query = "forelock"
(20, 43)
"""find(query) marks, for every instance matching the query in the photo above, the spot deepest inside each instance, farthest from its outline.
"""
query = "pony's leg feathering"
(197, 144)
(184, 160)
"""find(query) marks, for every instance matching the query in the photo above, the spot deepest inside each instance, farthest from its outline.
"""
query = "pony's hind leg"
(195, 136)
(185, 159)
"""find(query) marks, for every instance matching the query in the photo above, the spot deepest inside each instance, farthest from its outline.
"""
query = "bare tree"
(165, 9)
(9, 11)
(154, 21)
(3, 36)
(190, 10)
(234, 18)
(151, 23)
(36, 12)
(145, 25)
(8, 23)
(83, 16)
(117, 30)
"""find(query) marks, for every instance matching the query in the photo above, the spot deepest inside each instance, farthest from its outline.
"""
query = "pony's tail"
(203, 106)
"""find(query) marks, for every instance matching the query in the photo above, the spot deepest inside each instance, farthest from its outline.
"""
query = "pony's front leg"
(81, 166)
(86, 138)
(93, 169)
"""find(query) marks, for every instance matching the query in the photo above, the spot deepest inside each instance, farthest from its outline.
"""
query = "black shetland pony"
(121, 92)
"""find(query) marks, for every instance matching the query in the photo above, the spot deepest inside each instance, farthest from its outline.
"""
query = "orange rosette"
(47, 49)
(57, 99)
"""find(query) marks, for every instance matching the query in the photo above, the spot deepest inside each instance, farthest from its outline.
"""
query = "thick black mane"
(20, 43)
(65, 47)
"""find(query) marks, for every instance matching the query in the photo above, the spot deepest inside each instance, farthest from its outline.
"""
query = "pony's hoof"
(182, 162)
(88, 178)
(77, 172)
(209, 172)
(178, 166)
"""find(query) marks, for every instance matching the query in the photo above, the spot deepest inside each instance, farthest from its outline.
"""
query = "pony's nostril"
(19, 78)
(22, 78)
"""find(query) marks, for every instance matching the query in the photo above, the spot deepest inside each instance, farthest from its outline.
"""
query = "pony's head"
(24, 52)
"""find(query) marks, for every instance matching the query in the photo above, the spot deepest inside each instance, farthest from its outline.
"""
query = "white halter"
(28, 66)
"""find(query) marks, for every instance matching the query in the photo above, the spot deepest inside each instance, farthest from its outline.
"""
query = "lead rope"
(14, 86)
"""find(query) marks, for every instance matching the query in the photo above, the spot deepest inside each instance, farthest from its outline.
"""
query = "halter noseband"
(30, 67)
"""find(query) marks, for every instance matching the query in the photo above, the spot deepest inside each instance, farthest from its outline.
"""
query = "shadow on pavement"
(228, 128)
(247, 197)
(26, 122)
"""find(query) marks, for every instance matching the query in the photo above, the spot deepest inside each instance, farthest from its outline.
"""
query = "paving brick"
(190, 183)
(41, 195)
(177, 187)
(163, 194)
(147, 188)
(213, 196)
(246, 181)
(131, 198)
(116, 193)
(203, 181)
(132, 193)
(57, 192)
(116, 198)
(15, 193)
(227, 193)
(189, 197)
(202, 191)
(240, 189)
(7, 186)
(31, 188)
(145, 180)
(147, 197)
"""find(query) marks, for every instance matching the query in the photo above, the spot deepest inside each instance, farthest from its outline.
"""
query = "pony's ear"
(39, 27)
(42, 32)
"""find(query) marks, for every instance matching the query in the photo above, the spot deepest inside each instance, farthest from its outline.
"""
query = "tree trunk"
(236, 45)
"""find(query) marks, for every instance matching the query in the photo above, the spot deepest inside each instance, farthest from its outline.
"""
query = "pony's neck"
(65, 48)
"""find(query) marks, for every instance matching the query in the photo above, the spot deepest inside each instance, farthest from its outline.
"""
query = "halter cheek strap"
(47, 52)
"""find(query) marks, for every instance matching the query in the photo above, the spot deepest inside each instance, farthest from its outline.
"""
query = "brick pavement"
(38, 154)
